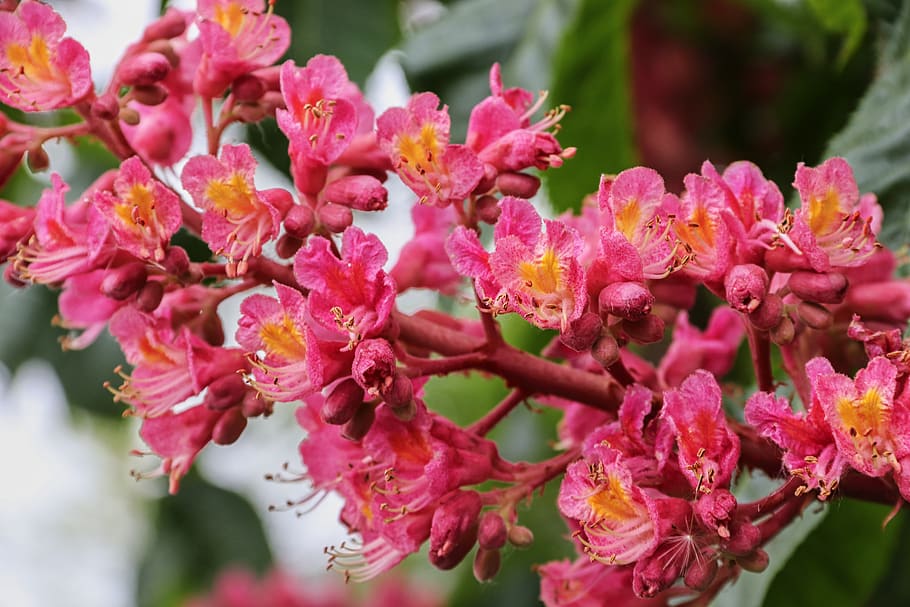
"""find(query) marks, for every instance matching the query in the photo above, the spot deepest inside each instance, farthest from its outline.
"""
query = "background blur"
(666, 84)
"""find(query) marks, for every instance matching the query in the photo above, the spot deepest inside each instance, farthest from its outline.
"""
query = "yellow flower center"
(34, 62)
(422, 150)
(825, 212)
(864, 416)
(230, 17)
(543, 275)
(627, 218)
(283, 339)
(612, 502)
(232, 197)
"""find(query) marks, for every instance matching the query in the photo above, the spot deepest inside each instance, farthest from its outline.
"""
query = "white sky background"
(72, 521)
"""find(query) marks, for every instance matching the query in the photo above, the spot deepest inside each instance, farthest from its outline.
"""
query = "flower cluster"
(650, 447)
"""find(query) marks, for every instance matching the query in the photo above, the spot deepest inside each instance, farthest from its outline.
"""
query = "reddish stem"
(495, 415)
(760, 348)
(783, 517)
(419, 367)
(767, 504)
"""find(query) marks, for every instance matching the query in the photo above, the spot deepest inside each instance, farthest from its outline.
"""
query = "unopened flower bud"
(121, 282)
(674, 291)
(361, 192)
(254, 406)
(648, 330)
(756, 562)
(164, 47)
(106, 107)
(144, 69)
(827, 287)
(815, 315)
(211, 329)
(374, 366)
(784, 332)
(176, 261)
(360, 424)
(605, 350)
(150, 296)
(701, 572)
(654, 574)
(287, 246)
(627, 300)
(335, 217)
(488, 209)
(744, 538)
(225, 392)
(279, 198)
(486, 564)
(453, 529)
(300, 221)
(715, 510)
(342, 403)
(36, 159)
(399, 394)
(229, 428)
(768, 314)
(582, 332)
(521, 185)
(520, 536)
(247, 88)
(745, 287)
(149, 94)
(170, 25)
(492, 533)
(250, 113)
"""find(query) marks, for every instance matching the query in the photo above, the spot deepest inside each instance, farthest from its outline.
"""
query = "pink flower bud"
(488, 209)
(106, 107)
(358, 426)
(582, 332)
(701, 572)
(250, 112)
(744, 538)
(605, 350)
(150, 296)
(828, 287)
(453, 529)
(815, 315)
(170, 25)
(342, 403)
(486, 564)
(745, 287)
(253, 405)
(768, 314)
(400, 393)
(648, 330)
(521, 185)
(627, 300)
(374, 366)
(654, 574)
(716, 509)
(176, 261)
(279, 198)
(149, 94)
(674, 291)
(144, 69)
(300, 221)
(520, 536)
(335, 217)
(225, 392)
(492, 533)
(361, 192)
(756, 562)
(122, 282)
(229, 428)
(247, 88)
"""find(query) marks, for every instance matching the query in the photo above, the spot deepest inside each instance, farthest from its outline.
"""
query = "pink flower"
(238, 219)
(708, 448)
(632, 204)
(16, 225)
(238, 36)
(700, 227)
(533, 273)
(805, 437)
(416, 138)
(351, 298)
(164, 133)
(83, 306)
(587, 583)
(713, 350)
(143, 213)
(288, 362)
(39, 68)
(834, 227)
(68, 240)
(423, 261)
(869, 424)
(618, 521)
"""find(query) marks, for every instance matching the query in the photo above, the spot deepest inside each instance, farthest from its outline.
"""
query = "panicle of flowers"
(651, 440)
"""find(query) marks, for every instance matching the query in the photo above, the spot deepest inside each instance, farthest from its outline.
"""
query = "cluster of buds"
(648, 453)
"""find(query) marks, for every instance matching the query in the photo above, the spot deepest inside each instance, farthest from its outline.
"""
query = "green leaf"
(591, 74)
(876, 141)
(847, 17)
(841, 561)
(199, 532)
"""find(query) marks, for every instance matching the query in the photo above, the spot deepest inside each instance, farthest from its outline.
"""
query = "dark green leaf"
(842, 559)
(876, 141)
(591, 74)
(199, 532)
(847, 17)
